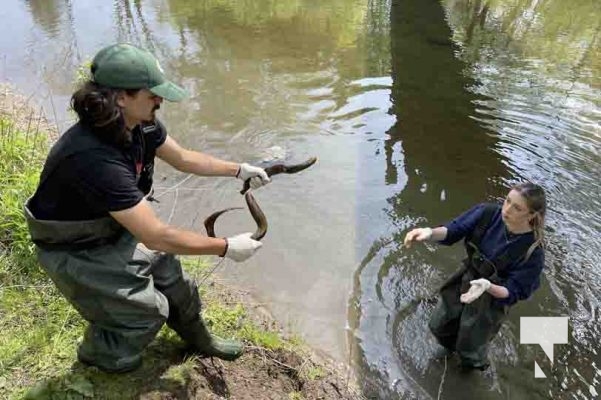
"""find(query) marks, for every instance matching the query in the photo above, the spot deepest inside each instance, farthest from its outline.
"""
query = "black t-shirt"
(85, 178)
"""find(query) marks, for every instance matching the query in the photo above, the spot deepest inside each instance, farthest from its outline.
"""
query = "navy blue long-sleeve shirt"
(520, 278)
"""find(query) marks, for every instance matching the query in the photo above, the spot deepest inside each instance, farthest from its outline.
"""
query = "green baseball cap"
(124, 66)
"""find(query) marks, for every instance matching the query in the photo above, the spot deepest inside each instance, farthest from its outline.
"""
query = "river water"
(417, 109)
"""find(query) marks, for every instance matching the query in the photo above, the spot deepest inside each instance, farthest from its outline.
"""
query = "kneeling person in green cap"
(97, 236)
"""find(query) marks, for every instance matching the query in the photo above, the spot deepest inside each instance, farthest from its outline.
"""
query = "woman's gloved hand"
(479, 286)
(241, 247)
(417, 235)
(258, 177)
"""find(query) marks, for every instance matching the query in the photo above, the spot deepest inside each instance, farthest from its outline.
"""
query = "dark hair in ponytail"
(97, 109)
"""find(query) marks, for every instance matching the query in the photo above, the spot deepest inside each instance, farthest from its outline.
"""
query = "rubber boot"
(198, 336)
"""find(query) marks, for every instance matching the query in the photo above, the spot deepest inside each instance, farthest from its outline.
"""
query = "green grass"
(314, 373)
(21, 155)
(39, 326)
(231, 322)
(295, 396)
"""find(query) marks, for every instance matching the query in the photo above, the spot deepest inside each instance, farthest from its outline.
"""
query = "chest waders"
(468, 328)
(125, 291)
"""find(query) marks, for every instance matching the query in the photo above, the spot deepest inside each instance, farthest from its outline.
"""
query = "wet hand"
(417, 235)
(258, 177)
(479, 286)
(241, 247)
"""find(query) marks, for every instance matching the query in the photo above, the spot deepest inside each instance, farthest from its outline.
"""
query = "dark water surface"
(417, 109)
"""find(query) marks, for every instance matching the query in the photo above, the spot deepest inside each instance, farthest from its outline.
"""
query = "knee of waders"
(166, 270)
(440, 325)
(184, 301)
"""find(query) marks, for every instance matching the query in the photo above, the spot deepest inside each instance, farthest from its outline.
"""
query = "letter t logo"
(545, 331)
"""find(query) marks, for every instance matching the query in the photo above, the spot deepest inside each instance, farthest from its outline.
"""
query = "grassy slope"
(40, 329)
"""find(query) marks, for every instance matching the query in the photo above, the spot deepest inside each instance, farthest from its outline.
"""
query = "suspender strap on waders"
(476, 236)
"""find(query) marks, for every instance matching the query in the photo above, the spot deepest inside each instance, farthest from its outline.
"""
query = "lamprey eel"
(282, 169)
(251, 202)
(255, 211)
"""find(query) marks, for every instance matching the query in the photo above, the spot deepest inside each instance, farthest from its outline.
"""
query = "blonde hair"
(537, 204)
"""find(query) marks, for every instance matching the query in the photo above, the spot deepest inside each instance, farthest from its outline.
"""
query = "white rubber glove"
(417, 235)
(241, 247)
(258, 176)
(479, 286)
